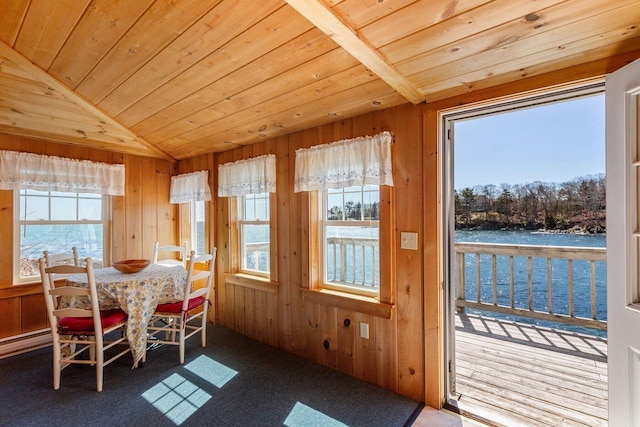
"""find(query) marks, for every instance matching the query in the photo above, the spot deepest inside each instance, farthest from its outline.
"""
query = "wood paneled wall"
(139, 218)
(278, 313)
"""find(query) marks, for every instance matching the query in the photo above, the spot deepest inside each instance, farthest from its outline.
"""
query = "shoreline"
(577, 230)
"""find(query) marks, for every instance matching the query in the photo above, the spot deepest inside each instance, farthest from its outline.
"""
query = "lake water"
(560, 295)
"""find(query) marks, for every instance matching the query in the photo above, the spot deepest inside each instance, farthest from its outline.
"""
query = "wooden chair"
(181, 252)
(181, 319)
(62, 258)
(75, 330)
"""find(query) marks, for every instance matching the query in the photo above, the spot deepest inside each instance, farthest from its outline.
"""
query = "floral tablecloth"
(138, 294)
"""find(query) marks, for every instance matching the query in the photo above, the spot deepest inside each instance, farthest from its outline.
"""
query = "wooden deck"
(521, 375)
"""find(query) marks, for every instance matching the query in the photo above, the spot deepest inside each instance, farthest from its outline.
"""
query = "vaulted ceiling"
(179, 78)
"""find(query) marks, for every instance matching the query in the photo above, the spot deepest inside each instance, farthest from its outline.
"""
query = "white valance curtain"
(49, 173)
(358, 161)
(251, 176)
(190, 187)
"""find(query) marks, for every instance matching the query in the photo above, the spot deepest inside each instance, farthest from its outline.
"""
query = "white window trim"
(106, 238)
(240, 253)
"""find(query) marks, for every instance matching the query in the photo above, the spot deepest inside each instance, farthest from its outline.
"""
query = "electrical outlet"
(364, 330)
(408, 240)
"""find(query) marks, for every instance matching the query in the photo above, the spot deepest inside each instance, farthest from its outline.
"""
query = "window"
(198, 227)
(191, 191)
(350, 230)
(249, 184)
(58, 221)
(253, 230)
(349, 185)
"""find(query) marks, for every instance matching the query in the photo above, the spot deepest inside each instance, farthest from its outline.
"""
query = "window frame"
(236, 259)
(313, 287)
(188, 226)
(105, 221)
(241, 221)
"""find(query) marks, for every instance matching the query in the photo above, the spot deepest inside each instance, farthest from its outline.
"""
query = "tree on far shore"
(579, 203)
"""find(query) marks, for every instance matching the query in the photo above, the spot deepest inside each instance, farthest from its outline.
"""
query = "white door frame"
(446, 119)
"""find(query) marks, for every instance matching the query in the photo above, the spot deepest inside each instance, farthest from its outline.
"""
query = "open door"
(623, 243)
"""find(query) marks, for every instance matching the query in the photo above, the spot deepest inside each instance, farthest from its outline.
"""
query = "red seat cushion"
(176, 307)
(85, 324)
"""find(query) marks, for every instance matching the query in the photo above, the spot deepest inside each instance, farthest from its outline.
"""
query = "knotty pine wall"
(278, 314)
(139, 218)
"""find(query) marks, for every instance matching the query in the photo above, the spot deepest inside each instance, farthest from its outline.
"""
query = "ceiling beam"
(329, 23)
(13, 63)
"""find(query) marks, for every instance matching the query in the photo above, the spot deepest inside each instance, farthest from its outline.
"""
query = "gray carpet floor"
(234, 381)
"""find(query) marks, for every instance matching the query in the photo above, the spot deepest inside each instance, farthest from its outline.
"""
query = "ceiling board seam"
(247, 66)
(470, 37)
(169, 82)
(209, 84)
(279, 96)
(19, 27)
(66, 37)
(113, 45)
(567, 46)
(284, 111)
(159, 49)
(454, 15)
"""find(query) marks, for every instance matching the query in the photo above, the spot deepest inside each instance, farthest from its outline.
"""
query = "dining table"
(137, 294)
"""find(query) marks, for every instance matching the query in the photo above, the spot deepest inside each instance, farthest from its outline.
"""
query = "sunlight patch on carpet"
(176, 397)
(211, 371)
(304, 416)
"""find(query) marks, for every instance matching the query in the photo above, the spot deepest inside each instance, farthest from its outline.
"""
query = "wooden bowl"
(131, 265)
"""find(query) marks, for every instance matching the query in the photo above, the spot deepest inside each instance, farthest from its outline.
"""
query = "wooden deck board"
(522, 375)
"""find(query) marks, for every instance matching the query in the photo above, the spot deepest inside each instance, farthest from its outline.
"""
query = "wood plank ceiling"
(176, 79)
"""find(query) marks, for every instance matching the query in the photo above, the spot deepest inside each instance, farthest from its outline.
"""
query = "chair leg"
(56, 365)
(99, 365)
(171, 336)
(204, 331)
(181, 334)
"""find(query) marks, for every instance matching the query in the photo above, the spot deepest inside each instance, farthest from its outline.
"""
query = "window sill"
(21, 290)
(361, 304)
(253, 282)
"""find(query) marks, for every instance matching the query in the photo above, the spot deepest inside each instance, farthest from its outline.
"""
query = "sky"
(552, 143)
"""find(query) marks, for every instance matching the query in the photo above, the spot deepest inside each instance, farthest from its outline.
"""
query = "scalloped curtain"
(49, 173)
(251, 176)
(358, 161)
(190, 187)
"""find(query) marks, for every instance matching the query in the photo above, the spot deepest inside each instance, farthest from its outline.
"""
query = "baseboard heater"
(25, 342)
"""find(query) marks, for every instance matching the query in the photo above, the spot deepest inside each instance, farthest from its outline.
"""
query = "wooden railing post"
(460, 280)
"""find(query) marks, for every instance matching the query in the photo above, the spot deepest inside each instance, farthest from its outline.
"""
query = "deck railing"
(352, 261)
(471, 256)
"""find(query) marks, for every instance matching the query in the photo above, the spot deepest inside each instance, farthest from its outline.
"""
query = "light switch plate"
(409, 240)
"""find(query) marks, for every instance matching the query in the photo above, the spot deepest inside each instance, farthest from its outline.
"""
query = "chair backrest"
(193, 275)
(52, 294)
(181, 251)
(62, 258)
